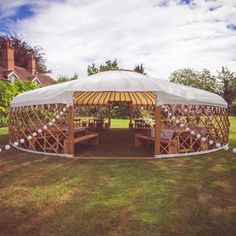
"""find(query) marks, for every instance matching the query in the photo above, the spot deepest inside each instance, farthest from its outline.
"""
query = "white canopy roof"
(119, 81)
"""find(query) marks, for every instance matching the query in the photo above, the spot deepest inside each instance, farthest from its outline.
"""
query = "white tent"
(119, 81)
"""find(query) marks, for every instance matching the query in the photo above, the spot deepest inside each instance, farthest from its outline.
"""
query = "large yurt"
(187, 121)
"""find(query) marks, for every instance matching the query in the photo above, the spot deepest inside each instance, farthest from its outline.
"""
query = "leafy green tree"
(74, 77)
(224, 83)
(184, 76)
(21, 51)
(120, 110)
(227, 84)
(91, 70)
(22, 87)
(109, 65)
(29, 86)
(7, 92)
(64, 78)
(207, 81)
(202, 80)
(233, 107)
(140, 69)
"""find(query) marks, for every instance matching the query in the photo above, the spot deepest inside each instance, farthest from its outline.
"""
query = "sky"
(164, 35)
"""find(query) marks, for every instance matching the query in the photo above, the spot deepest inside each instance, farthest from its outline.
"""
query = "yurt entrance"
(111, 129)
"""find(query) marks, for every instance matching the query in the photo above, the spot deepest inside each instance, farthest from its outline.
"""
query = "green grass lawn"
(232, 134)
(119, 123)
(45, 195)
(3, 131)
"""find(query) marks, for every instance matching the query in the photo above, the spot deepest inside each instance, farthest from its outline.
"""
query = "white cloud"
(164, 35)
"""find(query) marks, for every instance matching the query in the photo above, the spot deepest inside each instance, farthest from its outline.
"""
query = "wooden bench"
(170, 146)
(90, 137)
(140, 137)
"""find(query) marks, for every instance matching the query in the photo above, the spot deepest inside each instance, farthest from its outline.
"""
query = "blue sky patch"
(3, 27)
(186, 1)
(22, 12)
(215, 8)
(231, 26)
(162, 4)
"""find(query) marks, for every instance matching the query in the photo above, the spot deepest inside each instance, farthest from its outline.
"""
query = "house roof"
(120, 82)
(25, 75)
(45, 79)
(2, 73)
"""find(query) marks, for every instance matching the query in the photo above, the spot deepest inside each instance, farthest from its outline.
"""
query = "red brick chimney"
(8, 55)
(32, 64)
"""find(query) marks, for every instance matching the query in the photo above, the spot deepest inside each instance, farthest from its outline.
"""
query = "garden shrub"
(7, 92)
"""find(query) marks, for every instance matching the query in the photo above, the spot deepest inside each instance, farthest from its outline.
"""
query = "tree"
(22, 87)
(202, 80)
(21, 51)
(74, 77)
(7, 92)
(140, 69)
(227, 84)
(233, 107)
(184, 76)
(224, 83)
(91, 70)
(109, 65)
(120, 110)
(207, 81)
(64, 78)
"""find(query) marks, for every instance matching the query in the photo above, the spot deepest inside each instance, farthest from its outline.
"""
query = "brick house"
(12, 73)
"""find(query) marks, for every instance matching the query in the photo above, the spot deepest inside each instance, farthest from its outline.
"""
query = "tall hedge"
(7, 92)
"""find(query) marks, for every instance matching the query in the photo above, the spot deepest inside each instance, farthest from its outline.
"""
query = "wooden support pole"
(157, 146)
(130, 115)
(10, 120)
(71, 130)
(109, 115)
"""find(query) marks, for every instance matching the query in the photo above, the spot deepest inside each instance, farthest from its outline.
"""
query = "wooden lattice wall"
(44, 128)
(210, 122)
(210, 126)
